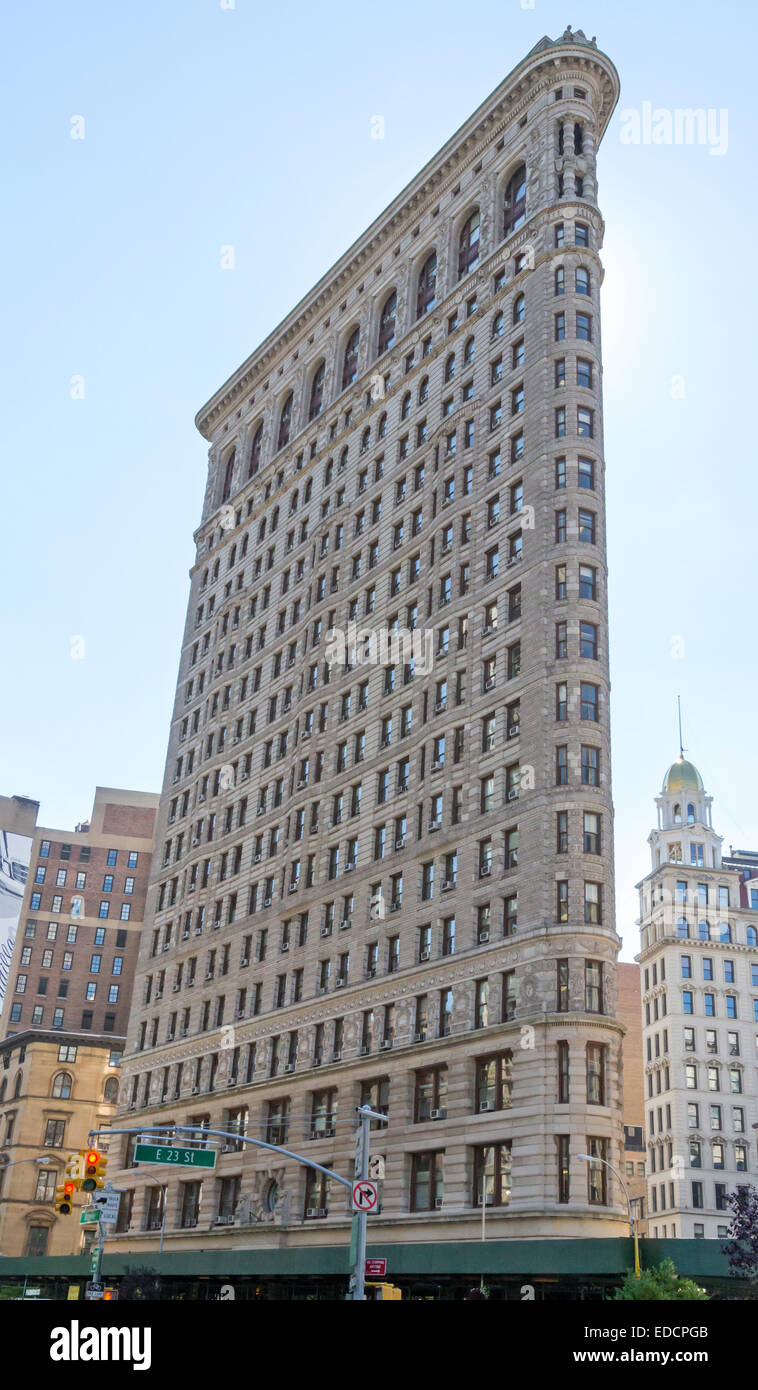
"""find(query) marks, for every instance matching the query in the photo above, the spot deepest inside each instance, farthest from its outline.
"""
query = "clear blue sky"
(208, 127)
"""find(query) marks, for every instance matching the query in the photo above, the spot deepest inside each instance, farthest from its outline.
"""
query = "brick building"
(384, 872)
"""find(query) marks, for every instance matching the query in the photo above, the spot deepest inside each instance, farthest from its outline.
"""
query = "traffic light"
(75, 1167)
(95, 1165)
(64, 1198)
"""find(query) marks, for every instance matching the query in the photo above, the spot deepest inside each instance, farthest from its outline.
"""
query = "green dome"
(683, 777)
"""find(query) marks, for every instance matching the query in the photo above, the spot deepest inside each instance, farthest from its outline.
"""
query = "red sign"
(376, 1269)
(365, 1195)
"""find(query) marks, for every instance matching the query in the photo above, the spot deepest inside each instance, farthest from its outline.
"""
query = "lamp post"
(590, 1158)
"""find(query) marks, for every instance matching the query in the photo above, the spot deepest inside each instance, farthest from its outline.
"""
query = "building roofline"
(423, 183)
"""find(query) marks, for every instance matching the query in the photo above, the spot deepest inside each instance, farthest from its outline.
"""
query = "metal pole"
(361, 1171)
(630, 1212)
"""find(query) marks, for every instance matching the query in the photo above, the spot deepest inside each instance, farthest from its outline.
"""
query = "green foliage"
(659, 1284)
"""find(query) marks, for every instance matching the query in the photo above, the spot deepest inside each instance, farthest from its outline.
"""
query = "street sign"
(73, 1293)
(32, 1293)
(88, 1215)
(107, 1203)
(365, 1195)
(376, 1269)
(182, 1158)
(94, 1291)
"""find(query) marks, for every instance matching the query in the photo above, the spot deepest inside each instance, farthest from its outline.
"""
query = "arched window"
(519, 308)
(110, 1090)
(255, 452)
(62, 1085)
(751, 938)
(365, 439)
(450, 367)
(328, 472)
(17, 1087)
(427, 286)
(350, 361)
(560, 280)
(725, 931)
(469, 352)
(317, 391)
(582, 280)
(423, 390)
(382, 429)
(285, 423)
(387, 323)
(677, 813)
(497, 325)
(468, 244)
(514, 202)
(405, 408)
(3, 1085)
(561, 139)
(228, 477)
(690, 814)
(682, 927)
(578, 138)
(293, 500)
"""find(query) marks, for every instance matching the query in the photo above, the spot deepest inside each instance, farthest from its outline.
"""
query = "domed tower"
(699, 967)
(684, 833)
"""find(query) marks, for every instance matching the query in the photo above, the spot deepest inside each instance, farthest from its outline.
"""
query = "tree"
(139, 1282)
(741, 1248)
(659, 1284)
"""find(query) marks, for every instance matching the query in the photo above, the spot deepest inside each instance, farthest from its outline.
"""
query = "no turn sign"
(365, 1195)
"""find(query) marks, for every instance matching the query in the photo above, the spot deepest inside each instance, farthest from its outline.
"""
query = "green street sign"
(89, 1214)
(177, 1158)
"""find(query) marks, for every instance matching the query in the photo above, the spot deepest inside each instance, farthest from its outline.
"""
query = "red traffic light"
(92, 1158)
(68, 1188)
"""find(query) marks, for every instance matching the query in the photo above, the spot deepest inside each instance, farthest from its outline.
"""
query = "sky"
(141, 140)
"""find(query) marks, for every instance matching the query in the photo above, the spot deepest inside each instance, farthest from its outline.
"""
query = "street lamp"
(591, 1158)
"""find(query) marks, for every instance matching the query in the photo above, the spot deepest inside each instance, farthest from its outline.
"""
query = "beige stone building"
(699, 961)
(384, 867)
(54, 1088)
(65, 1013)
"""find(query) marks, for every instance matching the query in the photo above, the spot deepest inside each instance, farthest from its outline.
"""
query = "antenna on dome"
(679, 707)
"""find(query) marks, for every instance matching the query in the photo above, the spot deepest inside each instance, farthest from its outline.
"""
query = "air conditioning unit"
(256, 858)
(437, 765)
(486, 1201)
(195, 1091)
(385, 1044)
(447, 884)
(132, 1105)
(447, 501)
(245, 960)
(244, 776)
(340, 982)
(513, 559)
(485, 872)
(513, 794)
(424, 955)
(302, 783)
(363, 1051)
(284, 946)
(349, 868)
(267, 902)
(196, 839)
(513, 731)
(483, 936)
(438, 1114)
(165, 945)
(175, 988)
(438, 1203)
(289, 1066)
(434, 825)
(440, 706)
(486, 1105)
(346, 923)
(294, 886)
(489, 684)
(419, 1037)
(306, 733)
(395, 907)
(159, 994)
(190, 984)
(315, 1211)
(322, 989)
(224, 1221)
(337, 1056)
(384, 743)
(237, 738)
(326, 931)
(370, 972)
(400, 844)
(201, 796)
